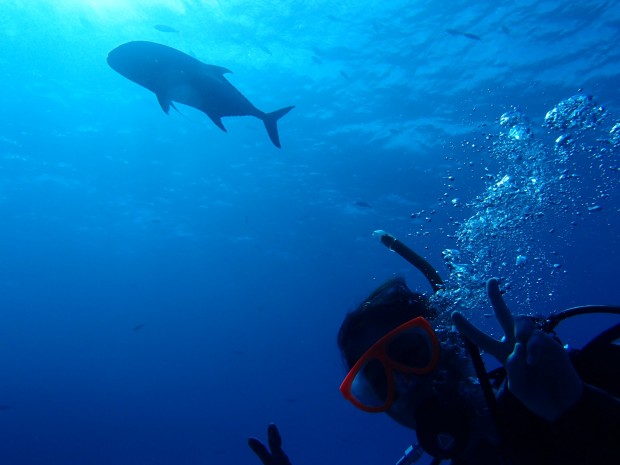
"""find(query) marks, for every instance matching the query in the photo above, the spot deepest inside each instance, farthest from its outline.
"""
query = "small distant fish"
(164, 28)
(469, 35)
(335, 19)
(345, 75)
(362, 204)
(139, 327)
(264, 49)
(505, 30)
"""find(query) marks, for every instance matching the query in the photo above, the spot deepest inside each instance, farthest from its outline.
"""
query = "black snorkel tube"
(437, 283)
(416, 260)
(548, 324)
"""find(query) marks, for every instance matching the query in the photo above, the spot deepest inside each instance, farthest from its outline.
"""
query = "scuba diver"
(545, 405)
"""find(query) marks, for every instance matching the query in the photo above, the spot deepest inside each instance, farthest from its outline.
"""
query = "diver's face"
(410, 393)
(414, 391)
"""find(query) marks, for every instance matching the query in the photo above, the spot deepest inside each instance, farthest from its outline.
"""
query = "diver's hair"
(389, 306)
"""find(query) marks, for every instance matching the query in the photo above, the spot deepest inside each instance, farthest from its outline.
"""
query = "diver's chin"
(403, 413)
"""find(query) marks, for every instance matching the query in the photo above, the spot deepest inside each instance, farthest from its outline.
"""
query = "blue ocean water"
(169, 289)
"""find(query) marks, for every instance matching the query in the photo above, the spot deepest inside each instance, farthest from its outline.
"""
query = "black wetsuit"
(588, 433)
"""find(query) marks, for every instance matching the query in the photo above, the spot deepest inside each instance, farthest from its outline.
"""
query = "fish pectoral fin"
(217, 121)
(164, 103)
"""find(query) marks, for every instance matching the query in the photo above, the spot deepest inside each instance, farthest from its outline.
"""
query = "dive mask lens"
(411, 349)
(369, 387)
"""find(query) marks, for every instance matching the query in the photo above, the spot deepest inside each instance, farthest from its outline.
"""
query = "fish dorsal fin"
(164, 103)
(216, 69)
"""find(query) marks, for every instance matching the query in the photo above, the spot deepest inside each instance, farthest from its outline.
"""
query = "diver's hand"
(540, 374)
(277, 455)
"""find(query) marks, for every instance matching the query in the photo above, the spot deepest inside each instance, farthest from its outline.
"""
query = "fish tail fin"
(271, 124)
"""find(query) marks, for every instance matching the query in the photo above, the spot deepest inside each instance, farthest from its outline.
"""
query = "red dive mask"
(411, 348)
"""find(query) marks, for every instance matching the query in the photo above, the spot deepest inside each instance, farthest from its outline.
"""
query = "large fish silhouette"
(177, 77)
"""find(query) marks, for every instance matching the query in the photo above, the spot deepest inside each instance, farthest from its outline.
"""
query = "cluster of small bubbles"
(594, 145)
(579, 112)
(614, 135)
(535, 190)
(564, 147)
(465, 286)
(503, 220)
(517, 124)
(453, 260)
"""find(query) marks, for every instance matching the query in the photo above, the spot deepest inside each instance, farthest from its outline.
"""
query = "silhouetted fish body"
(174, 76)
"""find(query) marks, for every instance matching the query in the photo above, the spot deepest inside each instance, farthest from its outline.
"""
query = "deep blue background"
(240, 259)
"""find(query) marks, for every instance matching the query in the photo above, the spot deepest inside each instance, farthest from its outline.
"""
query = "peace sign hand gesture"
(277, 455)
(540, 373)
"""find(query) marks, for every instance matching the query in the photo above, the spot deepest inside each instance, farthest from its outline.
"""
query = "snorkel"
(416, 260)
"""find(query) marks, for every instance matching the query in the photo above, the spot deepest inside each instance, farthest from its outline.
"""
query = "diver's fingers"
(524, 328)
(278, 457)
(516, 365)
(274, 438)
(260, 450)
(502, 312)
(492, 346)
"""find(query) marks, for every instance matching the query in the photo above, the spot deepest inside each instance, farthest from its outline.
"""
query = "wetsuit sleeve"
(590, 430)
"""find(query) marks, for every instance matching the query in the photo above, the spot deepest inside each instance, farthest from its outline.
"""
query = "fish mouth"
(112, 59)
(115, 57)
